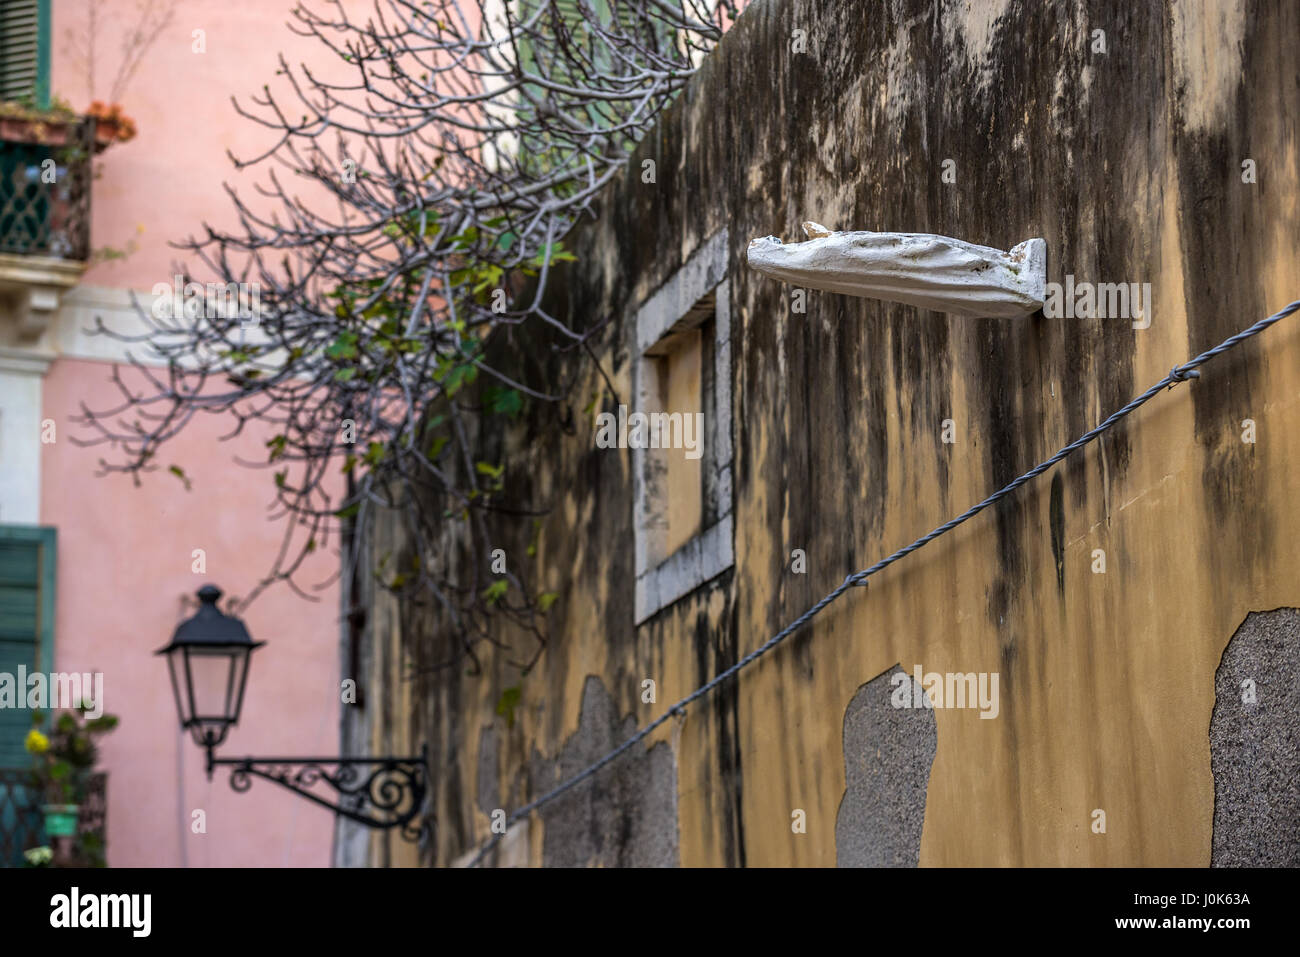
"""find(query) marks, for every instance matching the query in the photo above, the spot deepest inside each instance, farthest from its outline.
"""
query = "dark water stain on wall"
(1057, 512)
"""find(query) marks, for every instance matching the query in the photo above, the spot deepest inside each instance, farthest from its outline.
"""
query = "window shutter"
(26, 625)
(25, 52)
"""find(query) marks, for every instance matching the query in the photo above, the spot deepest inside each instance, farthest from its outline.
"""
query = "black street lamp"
(208, 658)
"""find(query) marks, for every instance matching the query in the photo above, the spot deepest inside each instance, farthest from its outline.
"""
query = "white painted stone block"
(920, 269)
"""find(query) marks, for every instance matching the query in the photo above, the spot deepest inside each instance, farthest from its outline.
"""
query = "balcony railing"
(45, 176)
(22, 824)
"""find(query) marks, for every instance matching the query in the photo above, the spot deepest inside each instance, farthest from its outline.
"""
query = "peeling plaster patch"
(625, 816)
(888, 753)
(975, 21)
(1255, 747)
(1085, 85)
(488, 776)
(1207, 43)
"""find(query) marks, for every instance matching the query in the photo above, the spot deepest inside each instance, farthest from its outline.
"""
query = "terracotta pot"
(105, 133)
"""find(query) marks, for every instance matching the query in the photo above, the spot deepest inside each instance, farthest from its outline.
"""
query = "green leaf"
(180, 474)
(504, 401)
(345, 375)
(488, 277)
(507, 704)
(349, 511)
(486, 468)
(344, 347)
(558, 255)
(496, 591)
(436, 448)
(276, 445)
(546, 599)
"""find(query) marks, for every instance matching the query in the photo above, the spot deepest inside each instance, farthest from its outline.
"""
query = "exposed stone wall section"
(488, 775)
(888, 752)
(1255, 746)
(626, 816)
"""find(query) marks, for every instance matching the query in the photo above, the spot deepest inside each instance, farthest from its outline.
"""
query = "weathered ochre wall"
(1129, 163)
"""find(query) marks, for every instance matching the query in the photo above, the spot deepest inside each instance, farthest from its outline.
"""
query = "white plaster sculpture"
(933, 272)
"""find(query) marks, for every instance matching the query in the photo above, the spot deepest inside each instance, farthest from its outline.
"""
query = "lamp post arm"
(388, 795)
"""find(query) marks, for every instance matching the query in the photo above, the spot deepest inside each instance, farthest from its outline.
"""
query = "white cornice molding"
(40, 271)
(31, 288)
(25, 361)
(73, 334)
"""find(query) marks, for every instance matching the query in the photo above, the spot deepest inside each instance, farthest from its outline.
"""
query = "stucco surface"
(1129, 164)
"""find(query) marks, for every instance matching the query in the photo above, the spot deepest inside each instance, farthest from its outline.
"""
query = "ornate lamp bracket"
(379, 792)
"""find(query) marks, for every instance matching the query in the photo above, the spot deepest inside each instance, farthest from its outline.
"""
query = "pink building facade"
(100, 571)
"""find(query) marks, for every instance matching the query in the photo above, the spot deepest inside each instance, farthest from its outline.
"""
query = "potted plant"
(24, 123)
(64, 760)
(111, 124)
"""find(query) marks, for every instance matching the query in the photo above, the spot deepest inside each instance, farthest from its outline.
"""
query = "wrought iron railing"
(22, 825)
(45, 192)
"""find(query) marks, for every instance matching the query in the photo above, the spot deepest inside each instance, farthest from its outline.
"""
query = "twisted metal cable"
(1177, 374)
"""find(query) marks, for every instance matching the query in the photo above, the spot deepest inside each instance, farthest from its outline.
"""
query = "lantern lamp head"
(208, 658)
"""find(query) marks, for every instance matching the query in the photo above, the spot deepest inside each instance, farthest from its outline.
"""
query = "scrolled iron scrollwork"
(382, 792)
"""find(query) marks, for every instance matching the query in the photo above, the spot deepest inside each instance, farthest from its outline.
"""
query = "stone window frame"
(681, 304)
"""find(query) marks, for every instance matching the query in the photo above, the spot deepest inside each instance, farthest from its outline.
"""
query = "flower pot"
(49, 132)
(105, 134)
(60, 819)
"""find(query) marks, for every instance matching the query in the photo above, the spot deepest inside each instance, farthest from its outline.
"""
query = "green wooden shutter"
(27, 563)
(25, 52)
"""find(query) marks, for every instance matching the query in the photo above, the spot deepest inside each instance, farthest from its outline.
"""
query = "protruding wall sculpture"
(920, 269)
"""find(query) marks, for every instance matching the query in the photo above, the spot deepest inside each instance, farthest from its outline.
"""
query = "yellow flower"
(36, 742)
